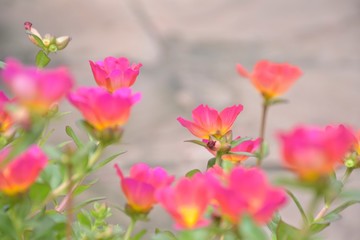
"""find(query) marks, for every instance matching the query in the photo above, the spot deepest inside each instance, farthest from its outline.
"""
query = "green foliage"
(93, 225)
(42, 59)
(250, 231)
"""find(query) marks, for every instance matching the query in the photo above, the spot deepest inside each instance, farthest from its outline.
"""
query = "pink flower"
(114, 73)
(102, 109)
(208, 122)
(247, 191)
(271, 79)
(187, 201)
(36, 89)
(312, 152)
(19, 174)
(5, 119)
(357, 142)
(249, 146)
(142, 184)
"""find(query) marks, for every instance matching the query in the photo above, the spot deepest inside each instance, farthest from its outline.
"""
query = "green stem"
(219, 159)
(262, 131)
(326, 207)
(130, 229)
(94, 158)
(69, 204)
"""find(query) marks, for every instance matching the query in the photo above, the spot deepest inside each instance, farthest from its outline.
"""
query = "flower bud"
(62, 42)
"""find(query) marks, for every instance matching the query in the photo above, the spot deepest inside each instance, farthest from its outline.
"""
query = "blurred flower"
(357, 142)
(36, 89)
(5, 119)
(114, 73)
(312, 152)
(22, 171)
(208, 122)
(187, 201)
(102, 109)
(247, 191)
(48, 42)
(142, 184)
(234, 153)
(248, 146)
(271, 79)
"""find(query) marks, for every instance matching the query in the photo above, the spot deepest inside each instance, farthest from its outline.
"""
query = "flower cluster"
(232, 198)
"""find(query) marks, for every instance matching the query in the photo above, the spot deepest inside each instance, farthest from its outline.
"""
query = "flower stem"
(326, 207)
(130, 229)
(69, 203)
(262, 131)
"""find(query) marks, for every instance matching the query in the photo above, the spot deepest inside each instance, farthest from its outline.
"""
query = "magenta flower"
(246, 191)
(312, 152)
(102, 109)
(142, 184)
(114, 73)
(19, 174)
(5, 119)
(234, 153)
(36, 89)
(187, 201)
(208, 122)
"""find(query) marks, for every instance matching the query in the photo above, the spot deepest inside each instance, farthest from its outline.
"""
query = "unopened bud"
(53, 48)
(62, 42)
(213, 145)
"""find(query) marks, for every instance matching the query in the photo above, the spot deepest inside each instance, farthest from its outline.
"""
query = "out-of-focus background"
(189, 50)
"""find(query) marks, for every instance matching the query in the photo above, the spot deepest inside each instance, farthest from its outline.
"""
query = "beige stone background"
(189, 50)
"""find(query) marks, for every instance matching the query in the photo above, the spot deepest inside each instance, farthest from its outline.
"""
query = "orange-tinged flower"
(248, 146)
(187, 201)
(142, 184)
(209, 122)
(271, 79)
(102, 109)
(357, 143)
(36, 89)
(246, 191)
(313, 152)
(114, 73)
(5, 119)
(19, 174)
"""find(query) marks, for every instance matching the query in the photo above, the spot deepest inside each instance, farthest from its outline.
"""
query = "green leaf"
(38, 193)
(38, 40)
(191, 173)
(106, 161)
(166, 234)
(2, 65)
(343, 206)
(298, 205)
(139, 235)
(250, 231)
(82, 188)
(198, 234)
(236, 142)
(211, 163)
(333, 190)
(197, 142)
(53, 175)
(242, 154)
(6, 226)
(42, 59)
(70, 132)
(88, 201)
(84, 219)
(287, 232)
(318, 227)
